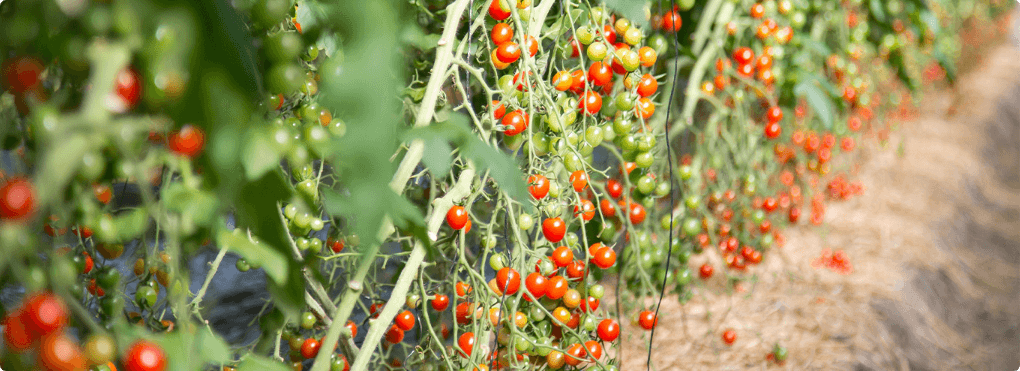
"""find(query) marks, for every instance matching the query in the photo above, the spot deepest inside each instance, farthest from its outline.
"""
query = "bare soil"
(934, 242)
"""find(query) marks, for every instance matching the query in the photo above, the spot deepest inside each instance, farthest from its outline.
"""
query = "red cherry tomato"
(145, 356)
(508, 52)
(556, 287)
(706, 271)
(562, 256)
(440, 302)
(394, 335)
(404, 320)
(554, 229)
(579, 180)
(515, 122)
(647, 86)
(498, 11)
(44, 313)
(129, 87)
(187, 142)
(729, 336)
(501, 33)
(466, 344)
(17, 199)
(59, 352)
(594, 349)
(21, 74)
(590, 102)
(310, 348)
(456, 217)
(647, 320)
(604, 258)
(537, 284)
(508, 281)
(538, 186)
(637, 213)
(614, 188)
(608, 330)
(743, 55)
(600, 74)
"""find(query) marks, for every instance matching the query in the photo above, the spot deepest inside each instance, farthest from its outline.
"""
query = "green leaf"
(412, 35)
(272, 261)
(131, 224)
(210, 347)
(438, 156)
(329, 43)
(877, 8)
(816, 46)
(259, 154)
(631, 9)
(59, 165)
(255, 363)
(407, 217)
(819, 101)
(257, 208)
(502, 168)
(310, 13)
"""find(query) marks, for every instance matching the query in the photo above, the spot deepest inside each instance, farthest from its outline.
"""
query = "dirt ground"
(934, 242)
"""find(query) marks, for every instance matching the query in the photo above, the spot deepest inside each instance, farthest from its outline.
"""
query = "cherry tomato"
(440, 302)
(60, 352)
(554, 229)
(563, 81)
(575, 354)
(614, 188)
(17, 199)
(562, 256)
(144, 356)
(498, 10)
(501, 33)
(508, 52)
(590, 102)
(729, 336)
(637, 213)
(352, 327)
(647, 320)
(773, 130)
(743, 55)
(586, 210)
(129, 87)
(531, 44)
(538, 186)
(594, 349)
(579, 180)
(600, 74)
(405, 320)
(457, 217)
(21, 74)
(671, 22)
(556, 287)
(576, 270)
(608, 329)
(393, 335)
(187, 142)
(466, 344)
(310, 348)
(537, 284)
(515, 122)
(604, 258)
(508, 280)
(706, 271)
(647, 86)
(16, 334)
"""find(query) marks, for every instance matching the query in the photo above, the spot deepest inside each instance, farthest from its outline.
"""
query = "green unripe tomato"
(489, 242)
(630, 60)
(584, 35)
(664, 222)
(242, 265)
(572, 138)
(92, 166)
(522, 344)
(662, 189)
(659, 44)
(646, 184)
(627, 142)
(597, 51)
(506, 83)
(337, 128)
(314, 245)
(644, 160)
(413, 301)
(283, 47)
(593, 135)
(625, 101)
(308, 320)
(285, 78)
(758, 216)
(691, 226)
(645, 142)
(317, 224)
(554, 189)
(145, 296)
(692, 202)
(112, 304)
(108, 278)
(536, 313)
(525, 222)
(598, 15)
(608, 233)
(497, 262)
(586, 149)
(571, 239)
(290, 211)
(309, 189)
(685, 5)
(596, 291)
(766, 241)
(607, 133)
(311, 53)
(572, 162)
(632, 36)
(683, 277)
(546, 267)
(588, 323)
(540, 143)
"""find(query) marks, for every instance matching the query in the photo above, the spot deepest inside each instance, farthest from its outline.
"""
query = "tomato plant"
(322, 146)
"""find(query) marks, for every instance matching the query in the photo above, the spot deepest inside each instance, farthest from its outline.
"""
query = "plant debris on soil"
(934, 242)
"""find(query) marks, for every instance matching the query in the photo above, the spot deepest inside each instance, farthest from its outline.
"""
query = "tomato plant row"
(425, 185)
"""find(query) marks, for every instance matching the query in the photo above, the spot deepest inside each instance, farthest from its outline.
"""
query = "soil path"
(935, 246)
